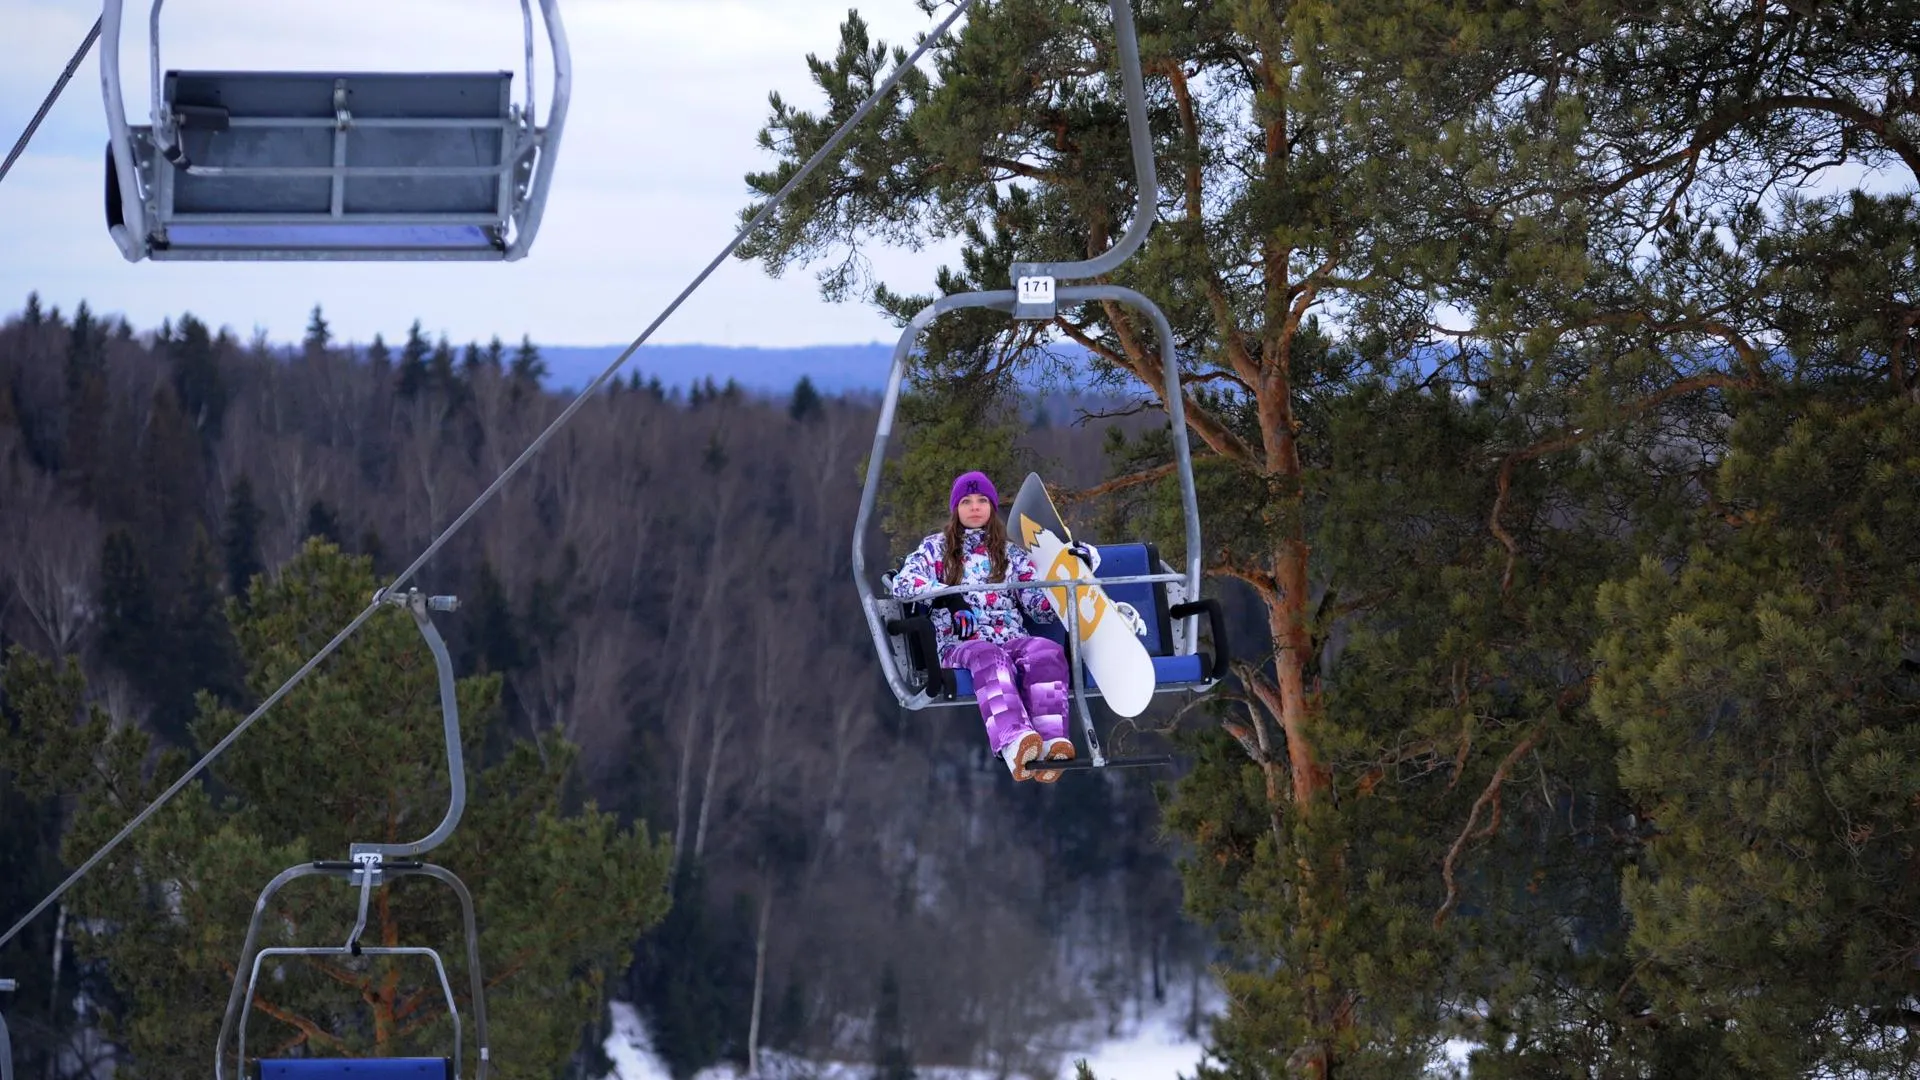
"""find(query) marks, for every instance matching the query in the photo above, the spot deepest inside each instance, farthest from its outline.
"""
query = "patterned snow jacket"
(995, 616)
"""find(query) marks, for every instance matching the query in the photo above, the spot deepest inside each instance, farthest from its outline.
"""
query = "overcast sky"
(668, 97)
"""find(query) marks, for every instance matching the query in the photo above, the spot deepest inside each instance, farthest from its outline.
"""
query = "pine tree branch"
(1020, 168)
(1268, 697)
(1262, 581)
(1195, 224)
(1245, 737)
(1131, 480)
(1859, 115)
(1488, 797)
(1211, 431)
(309, 1030)
(1504, 482)
(1303, 294)
(335, 972)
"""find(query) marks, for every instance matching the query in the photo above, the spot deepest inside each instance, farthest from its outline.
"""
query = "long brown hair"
(956, 561)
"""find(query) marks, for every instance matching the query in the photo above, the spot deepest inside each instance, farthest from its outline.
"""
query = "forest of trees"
(656, 620)
(1554, 372)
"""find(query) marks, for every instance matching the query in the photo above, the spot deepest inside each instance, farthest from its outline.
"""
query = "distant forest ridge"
(838, 369)
(833, 369)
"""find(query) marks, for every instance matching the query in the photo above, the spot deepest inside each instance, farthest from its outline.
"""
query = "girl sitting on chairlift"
(1019, 680)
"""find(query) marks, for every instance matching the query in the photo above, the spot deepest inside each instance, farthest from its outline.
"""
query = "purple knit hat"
(972, 483)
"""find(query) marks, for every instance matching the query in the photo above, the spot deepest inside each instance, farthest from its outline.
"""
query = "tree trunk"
(759, 980)
(683, 781)
(53, 994)
(1159, 974)
(720, 729)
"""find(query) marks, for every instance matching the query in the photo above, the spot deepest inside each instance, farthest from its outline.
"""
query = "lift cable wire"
(46, 106)
(819, 157)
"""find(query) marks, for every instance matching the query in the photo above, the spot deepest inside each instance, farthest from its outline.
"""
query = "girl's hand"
(1086, 553)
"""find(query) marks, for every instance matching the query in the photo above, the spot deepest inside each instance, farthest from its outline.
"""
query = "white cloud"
(668, 97)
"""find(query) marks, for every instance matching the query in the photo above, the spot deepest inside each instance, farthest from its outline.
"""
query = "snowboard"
(1114, 656)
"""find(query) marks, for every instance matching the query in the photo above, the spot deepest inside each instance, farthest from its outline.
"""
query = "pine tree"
(528, 368)
(203, 657)
(1763, 693)
(197, 379)
(322, 523)
(319, 334)
(892, 1060)
(129, 621)
(440, 367)
(496, 644)
(379, 357)
(805, 403)
(241, 540)
(693, 976)
(413, 363)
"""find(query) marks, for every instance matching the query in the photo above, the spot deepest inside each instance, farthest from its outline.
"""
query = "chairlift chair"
(331, 166)
(1169, 600)
(371, 865)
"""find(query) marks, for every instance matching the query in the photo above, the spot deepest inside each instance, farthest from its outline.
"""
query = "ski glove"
(1086, 553)
(965, 623)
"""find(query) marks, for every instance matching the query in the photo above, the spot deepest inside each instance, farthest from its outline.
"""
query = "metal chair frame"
(150, 164)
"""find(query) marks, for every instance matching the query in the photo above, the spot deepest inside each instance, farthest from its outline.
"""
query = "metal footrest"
(1083, 764)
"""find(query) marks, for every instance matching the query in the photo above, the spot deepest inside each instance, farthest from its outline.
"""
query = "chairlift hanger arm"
(418, 605)
(1036, 300)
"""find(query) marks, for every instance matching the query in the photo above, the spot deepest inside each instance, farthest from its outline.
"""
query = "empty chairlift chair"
(369, 866)
(260, 165)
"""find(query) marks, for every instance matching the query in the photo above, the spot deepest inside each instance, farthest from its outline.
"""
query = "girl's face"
(975, 510)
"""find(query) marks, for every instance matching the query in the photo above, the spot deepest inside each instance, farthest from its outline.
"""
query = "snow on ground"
(631, 1047)
(1158, 1049)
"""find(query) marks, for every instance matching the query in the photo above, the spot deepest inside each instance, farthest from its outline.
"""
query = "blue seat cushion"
(1167, 671)
(1146, 597)
(356, 1069)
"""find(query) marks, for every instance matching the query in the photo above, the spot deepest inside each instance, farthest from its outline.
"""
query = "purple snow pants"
(1019, 684)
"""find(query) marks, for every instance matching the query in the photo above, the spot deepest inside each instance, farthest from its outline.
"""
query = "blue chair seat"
(1168, 671)
(356, 1069)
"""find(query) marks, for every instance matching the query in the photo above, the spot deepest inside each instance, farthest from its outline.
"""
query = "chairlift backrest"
(261, 165)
